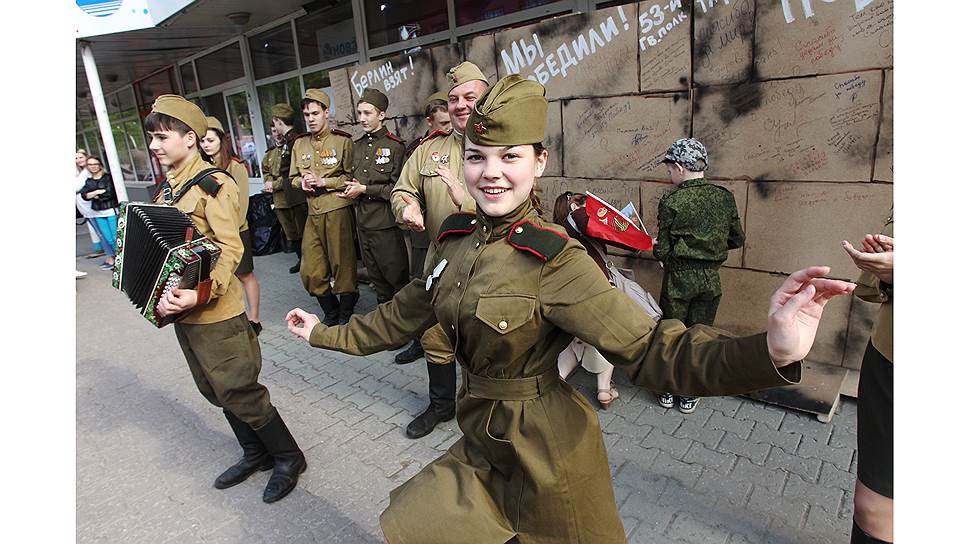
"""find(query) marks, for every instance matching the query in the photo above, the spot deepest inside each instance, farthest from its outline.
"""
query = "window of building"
(326, 34)
(189, 85)
(286, 92)
(316, 80)
(220, 66)
(392, 21)
(151, 87)
(469, 12)
(273, 52)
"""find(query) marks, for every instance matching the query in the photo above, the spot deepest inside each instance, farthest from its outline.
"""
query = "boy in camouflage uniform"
(698, 224)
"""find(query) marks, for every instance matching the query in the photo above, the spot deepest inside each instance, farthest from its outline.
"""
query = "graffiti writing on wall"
(807, 6)
(386, 74)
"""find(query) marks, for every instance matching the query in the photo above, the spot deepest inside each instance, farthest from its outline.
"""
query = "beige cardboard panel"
(615, 192)
(815, 129)
(746, 298)
(480, 51)
(723, 42)
(622, 137)
(343, 106)
(552, 139)
(862, 315)
(792, 225)
(836, 38)
(884, 161)
(406, 79)
(612, 32)
(651, 192)
(664, 56)
(445, 57)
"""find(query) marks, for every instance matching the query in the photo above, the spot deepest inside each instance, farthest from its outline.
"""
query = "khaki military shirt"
(420, 180)
(270, 174)
(510, 306)
(241, 177)
(377, 161)
(872, 289)
(329, 155)
(217, 218)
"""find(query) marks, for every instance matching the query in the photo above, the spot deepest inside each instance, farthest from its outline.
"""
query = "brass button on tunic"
(531, 463)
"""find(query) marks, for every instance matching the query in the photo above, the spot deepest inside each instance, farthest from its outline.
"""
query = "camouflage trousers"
(691, 296)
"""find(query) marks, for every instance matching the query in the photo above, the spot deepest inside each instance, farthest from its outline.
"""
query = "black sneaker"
(409, 355)
(666, 400)
(687, 405)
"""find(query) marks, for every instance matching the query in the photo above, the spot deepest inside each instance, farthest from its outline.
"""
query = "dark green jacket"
(698, 225)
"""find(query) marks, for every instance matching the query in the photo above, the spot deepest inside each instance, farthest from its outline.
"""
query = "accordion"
(159, 248)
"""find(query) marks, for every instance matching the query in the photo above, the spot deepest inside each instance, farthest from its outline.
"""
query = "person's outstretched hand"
(795, 310)
(412, 217)
(301, 323)
(877, 257)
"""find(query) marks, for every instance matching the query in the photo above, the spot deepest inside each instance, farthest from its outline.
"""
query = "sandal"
(612, 395)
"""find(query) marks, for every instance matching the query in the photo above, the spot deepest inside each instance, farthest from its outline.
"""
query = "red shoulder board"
(531, 238)
(395, 138)
(434, 134)
(341, 133)
(458, 223)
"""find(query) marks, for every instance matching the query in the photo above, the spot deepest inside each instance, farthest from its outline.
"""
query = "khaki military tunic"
(377, 161)
(288, 203)
(241, 177)
(220, 346)
(531, 463)
(327, 245)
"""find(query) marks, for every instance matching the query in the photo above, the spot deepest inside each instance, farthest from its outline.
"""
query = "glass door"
(239, 106)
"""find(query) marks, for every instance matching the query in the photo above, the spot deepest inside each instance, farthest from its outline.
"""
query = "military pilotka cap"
(215, 124)
(464, 72)
(318, 95)
(512, 112)
(375, 97)
(688, 152)
(442, 96)
(187, 112)
(283, 111)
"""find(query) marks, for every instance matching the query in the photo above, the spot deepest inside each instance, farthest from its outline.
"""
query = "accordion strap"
(195, 181)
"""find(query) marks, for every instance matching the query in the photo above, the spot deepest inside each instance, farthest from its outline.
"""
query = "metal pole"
(101, 111)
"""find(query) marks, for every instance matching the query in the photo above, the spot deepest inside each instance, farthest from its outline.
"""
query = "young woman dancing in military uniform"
(511, 291)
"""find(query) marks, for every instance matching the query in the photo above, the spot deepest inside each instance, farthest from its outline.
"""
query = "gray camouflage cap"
(688, 152)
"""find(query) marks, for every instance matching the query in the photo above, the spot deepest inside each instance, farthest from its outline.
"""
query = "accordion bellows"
(159, 248)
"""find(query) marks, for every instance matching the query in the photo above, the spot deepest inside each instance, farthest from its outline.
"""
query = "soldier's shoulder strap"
(542, 242)
(458, 223)
(434, 134)
(395, 138)
(341, 133)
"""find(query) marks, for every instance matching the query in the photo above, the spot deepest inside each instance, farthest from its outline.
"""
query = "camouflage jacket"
(698, 224)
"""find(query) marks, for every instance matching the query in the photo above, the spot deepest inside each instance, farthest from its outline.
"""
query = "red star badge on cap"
(480, 128)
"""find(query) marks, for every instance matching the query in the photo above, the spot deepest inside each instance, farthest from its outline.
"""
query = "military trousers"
(329, 253)
(225, 360)
(691, 296)
(419, 242)
(293, 220)
(385, 256)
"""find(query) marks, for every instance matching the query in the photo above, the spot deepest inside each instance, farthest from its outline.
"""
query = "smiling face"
(94, 166)
(501, 178)
(170, 147)
(211, 143)
(80, 160)
(461, 100)
(370, 118)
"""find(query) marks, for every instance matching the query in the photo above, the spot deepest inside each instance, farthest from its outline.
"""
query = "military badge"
(330, 157)
(435, 156)
(480, 128)
(382, 155)
(444, 159)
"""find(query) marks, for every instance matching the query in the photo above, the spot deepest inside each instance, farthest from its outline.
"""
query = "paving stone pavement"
(149, 446)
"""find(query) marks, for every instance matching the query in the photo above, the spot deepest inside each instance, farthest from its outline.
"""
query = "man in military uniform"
(437, 118)
(431, 187)
(321, 163)
(698, 224)
(220, 346)
(288, 202)
(377, 160)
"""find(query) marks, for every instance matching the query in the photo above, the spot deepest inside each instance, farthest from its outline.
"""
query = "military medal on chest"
(329, 157)
(382, 155)
(444, 159)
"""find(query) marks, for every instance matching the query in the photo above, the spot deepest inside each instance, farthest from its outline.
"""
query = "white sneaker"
(666, 400)
(78, 274)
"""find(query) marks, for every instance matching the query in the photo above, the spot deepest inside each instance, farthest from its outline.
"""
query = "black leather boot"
(443, 391)
(295, 268)
(858, 536)
(254, 455)
(411, 354)
(330, 305)
(289, 461)
(347, 302)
